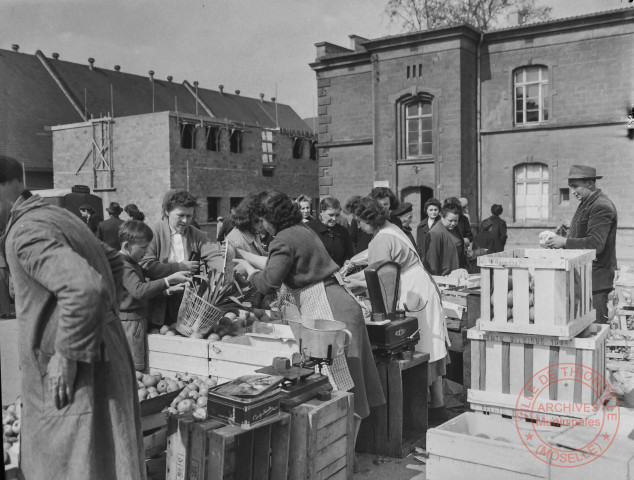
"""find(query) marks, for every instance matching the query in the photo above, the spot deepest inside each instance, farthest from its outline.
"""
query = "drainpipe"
(479, 124)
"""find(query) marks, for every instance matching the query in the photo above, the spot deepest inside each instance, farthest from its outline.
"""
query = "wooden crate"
(562, 296)
(322, 439)
(173, 354)
(399, 426)
(502, 364)
(212, 450)
(221, 360)
(480, 447)
(154, 433)
(245, 354)
(615, 357)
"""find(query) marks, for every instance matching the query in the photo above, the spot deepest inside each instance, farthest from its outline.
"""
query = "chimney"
(92, 63)
(55, 56)
(151, 74)
(170, 78)
(196, 83)
(221, 88)
(237, 92)
(117, 68)
(262, 97)
(273, 99)
(15, 47)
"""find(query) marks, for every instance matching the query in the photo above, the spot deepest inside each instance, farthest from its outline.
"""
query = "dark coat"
(93, 222)
(499, 232)
(335, 239)
(443, 257)
(421, 235)
(593, 226)
(108, 232)
(465, 227)
(66, 300)
(156, 262)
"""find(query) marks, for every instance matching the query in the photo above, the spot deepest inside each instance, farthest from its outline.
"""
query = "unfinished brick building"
(497, 117)
(130, 138)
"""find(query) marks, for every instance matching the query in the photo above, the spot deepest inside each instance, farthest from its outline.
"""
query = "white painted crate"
(175, 354)
(559, 309)
(502, 364)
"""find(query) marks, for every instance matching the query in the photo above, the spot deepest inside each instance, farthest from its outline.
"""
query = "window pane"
(532, 91)
(426, 108)
(426, 136)
(533, 171)
(519, 93)
(532, 213)
(426, 148)
(519, 75)
(412, 110)
(520, 172)
(532, 116)
(519, 117)
(426, 123)
(520, 213)
(545, 177)
(532, 74)
(412, 150)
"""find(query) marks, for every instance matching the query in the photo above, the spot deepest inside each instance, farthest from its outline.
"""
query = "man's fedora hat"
(114, 208)
(582, 172)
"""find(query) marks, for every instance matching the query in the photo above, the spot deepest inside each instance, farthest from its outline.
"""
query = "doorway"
(417, 196)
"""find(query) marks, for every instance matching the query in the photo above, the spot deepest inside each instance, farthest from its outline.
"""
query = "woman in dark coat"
(334, 236)
(432, 210)
(298, 259)
(445, 245)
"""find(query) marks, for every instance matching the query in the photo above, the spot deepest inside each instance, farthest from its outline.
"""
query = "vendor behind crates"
(177, 246)
(135, 237)
(593, 226)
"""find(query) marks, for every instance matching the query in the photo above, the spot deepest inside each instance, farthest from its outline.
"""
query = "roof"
(36, 98)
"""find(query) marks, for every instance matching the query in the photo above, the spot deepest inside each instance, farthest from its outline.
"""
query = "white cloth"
(177, 248)
(312, 302)
(416, 281)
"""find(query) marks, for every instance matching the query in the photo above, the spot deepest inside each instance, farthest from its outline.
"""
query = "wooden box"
(154, 433)
(503, 364)
(619, 350)
(322, 439)
(212, 450)
(174, 354)
(245, 354)
(537, 291)
(482, 447)
(399, 426)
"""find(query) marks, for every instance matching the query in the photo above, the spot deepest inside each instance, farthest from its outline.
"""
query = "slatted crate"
(174, 354)
(502, 364)
(561, 296)
(619, 350)
(212, 450)
(322, 439)
(154, 433)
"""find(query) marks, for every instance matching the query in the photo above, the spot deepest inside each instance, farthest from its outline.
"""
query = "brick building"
(131, 138)
(497, 117)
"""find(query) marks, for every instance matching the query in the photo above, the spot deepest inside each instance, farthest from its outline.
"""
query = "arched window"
(418, 128)
(531, 95)
(531, 192)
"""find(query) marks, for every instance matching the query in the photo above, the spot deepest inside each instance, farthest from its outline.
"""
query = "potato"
(164, 329)
(214, 337)
(170, 333)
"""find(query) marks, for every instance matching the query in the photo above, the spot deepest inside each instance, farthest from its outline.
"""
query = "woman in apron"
(298, 258)
(418, 291)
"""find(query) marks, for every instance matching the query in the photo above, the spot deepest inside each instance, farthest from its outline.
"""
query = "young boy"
(135, 237)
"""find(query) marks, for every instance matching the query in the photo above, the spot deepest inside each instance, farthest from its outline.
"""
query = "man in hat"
(593, 226)
(108, 230)
(80, 416)
(405, 213)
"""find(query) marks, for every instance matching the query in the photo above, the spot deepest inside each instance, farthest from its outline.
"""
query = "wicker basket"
(196, 315)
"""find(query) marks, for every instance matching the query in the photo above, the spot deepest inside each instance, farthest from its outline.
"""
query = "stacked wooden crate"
(620, 343)
(539, 316)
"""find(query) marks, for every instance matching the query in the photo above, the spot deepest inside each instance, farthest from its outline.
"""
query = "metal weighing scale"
(391, 332)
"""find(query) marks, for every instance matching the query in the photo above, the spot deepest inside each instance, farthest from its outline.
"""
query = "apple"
(193, 394)
(201, 401)
(143, 393)
(214, 337)
(152, 395)
(139, 375)
(227, 337)
(200, 414)
(211, 383)
(186, 405)
(170, 333)
(231, 316)
(171, 386)
(172, 410)
(161, 386)
(203, 390)
(152, 389)
(164, 329)
(196, 335)
(150, 380)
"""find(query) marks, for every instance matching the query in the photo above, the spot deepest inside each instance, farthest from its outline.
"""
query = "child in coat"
(135, 237)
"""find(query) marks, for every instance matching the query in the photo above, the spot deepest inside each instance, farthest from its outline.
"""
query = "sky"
(255, 46)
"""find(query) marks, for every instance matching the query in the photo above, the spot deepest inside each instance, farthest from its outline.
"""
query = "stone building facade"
(496, 117)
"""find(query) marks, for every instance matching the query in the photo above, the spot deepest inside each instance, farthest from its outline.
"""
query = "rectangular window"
(213, 204)
(313, 150)
(213, 138)
(531, 192)
(235, 141)
(267, 147)
(188, 136)
(418, 125)
(531, 95)
(564, 196)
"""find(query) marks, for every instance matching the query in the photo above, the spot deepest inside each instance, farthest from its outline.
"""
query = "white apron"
(312, 302)
(421, 286)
